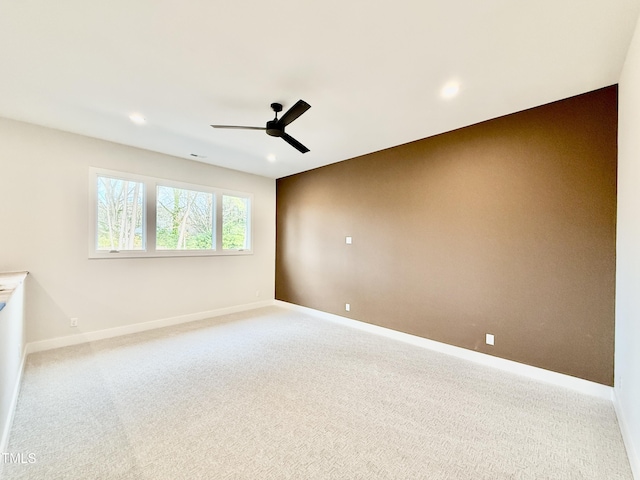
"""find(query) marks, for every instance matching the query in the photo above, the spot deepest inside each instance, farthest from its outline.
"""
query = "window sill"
(167, 254)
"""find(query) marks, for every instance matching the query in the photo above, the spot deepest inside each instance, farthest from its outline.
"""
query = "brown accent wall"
(504, 227)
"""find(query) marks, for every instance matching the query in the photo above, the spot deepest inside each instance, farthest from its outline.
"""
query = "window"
(184, 219)
(235, 222)
(136, 216)
(120, 214)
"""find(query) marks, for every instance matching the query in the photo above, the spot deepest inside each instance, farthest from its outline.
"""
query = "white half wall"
(627, 358)
(44, 216)
(12, 347)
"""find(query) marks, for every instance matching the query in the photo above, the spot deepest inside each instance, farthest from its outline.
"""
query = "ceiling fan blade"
(294, 143)
(294, 112)
(237, 127)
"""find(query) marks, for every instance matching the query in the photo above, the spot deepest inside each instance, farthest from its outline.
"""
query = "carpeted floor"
(274, 394)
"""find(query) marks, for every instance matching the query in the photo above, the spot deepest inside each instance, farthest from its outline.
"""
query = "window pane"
(235, 223)
(120, 214)
(184, 219)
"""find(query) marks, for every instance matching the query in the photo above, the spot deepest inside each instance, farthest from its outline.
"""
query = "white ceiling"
(372, 71)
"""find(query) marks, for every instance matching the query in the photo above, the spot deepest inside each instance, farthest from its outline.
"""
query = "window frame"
(149, 217)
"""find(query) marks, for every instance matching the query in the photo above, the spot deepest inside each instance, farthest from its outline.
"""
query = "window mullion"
(151, 213)
(217, 224)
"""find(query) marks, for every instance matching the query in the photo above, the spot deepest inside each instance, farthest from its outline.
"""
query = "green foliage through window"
(184, 219)
(235, 214)
(120, 213)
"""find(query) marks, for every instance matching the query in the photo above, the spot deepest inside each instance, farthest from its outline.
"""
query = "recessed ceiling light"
(137, 118)
(450, 90)
(271, 157)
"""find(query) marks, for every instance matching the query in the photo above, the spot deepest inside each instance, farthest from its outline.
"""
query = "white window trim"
(149, 217)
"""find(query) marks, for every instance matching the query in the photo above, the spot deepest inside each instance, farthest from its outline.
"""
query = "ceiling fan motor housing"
(274, 129)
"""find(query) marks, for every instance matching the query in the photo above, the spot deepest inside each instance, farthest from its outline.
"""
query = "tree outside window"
(235, 214)
(184, 219)
(120, 214)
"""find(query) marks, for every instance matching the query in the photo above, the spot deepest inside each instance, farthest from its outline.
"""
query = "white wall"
(11, 353)
(627, 360)
(44, 213)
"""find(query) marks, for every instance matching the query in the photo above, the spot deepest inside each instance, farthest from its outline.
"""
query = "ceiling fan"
(275, 127)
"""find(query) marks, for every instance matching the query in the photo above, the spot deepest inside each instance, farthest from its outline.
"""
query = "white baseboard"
(540, 374)
(632, 450)
(574, 383)
(4, 440)
(80, 338)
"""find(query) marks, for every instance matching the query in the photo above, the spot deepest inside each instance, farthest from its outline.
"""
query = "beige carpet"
(273, 394)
